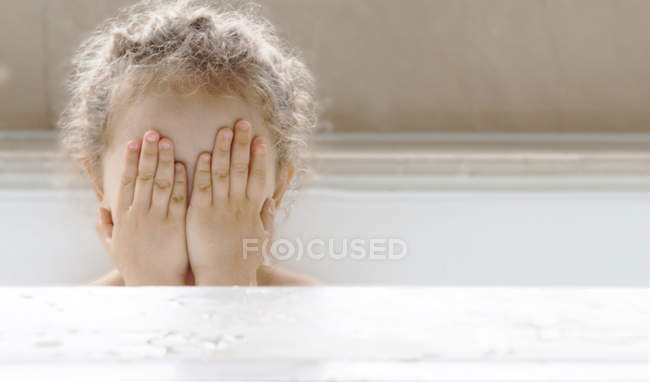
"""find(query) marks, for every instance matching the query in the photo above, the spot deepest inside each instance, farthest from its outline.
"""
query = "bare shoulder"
(113, 278)
(268, 275)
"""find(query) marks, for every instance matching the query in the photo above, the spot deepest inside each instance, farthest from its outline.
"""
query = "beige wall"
(446, 65)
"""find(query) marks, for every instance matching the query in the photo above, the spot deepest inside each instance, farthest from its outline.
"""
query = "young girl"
(190, 123)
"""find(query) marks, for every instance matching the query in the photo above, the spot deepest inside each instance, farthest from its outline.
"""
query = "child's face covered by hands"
(187, 180)
(190, 121)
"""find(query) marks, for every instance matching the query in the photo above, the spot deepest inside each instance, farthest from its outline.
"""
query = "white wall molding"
(395, 161)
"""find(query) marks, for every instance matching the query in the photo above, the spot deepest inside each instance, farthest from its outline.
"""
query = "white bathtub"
(483, 220)
(505, 238)
(471, 209)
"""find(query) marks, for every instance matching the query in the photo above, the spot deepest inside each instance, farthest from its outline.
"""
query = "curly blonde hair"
(187, 42)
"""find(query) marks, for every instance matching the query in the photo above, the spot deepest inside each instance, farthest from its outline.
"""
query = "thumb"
(104, 226)
(268, 215)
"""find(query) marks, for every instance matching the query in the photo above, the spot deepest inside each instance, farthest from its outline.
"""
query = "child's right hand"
(145, 234)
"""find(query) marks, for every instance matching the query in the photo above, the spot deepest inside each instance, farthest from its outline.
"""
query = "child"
(190, 123)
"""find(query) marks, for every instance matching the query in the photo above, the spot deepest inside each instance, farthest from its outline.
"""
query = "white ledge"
(30, 159)
(319, 334)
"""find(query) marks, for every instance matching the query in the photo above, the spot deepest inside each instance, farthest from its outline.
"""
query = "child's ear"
(286, 173)
(93, 181)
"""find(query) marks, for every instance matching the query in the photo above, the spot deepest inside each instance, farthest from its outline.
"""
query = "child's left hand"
(228, 207)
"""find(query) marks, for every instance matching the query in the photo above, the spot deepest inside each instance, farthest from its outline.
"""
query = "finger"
(202, 189)
(221, 165)
(268, 215)
(146, 171)
(240, 156)
(127, 179)
(178, 201)
(257, 173)
(164, 179)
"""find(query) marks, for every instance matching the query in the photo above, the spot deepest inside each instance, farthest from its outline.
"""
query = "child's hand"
(226, 208)
(146, 233)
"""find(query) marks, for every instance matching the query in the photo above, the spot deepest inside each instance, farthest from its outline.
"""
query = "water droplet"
(48, 344)
(257, 290)
(54, 307)
(175, 337)
(175, 302)
(285, 317)
(221, 342)
(214, 344)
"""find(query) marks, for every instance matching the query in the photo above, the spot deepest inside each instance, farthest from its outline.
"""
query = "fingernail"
(227, 134)
(178, 167)
(133, 145)
(152, 136)
(243, 126)
(100, 215)
(205, 157)
(165, 144)
(261, 147)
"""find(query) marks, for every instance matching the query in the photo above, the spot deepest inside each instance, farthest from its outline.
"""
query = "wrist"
(156, 278)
